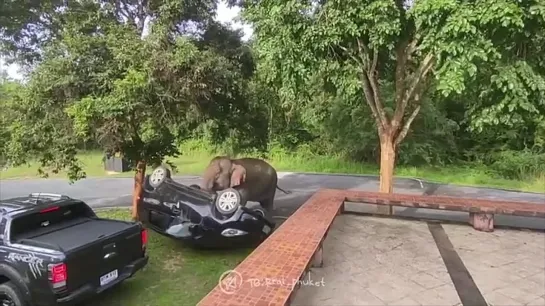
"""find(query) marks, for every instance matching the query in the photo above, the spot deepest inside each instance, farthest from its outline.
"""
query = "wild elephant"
(255, 179)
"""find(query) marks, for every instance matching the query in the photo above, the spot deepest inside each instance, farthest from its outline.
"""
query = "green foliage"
(307, 36)
(8, 100)
(100, 80)
(518, 165)
(325, 59)
(300, 88)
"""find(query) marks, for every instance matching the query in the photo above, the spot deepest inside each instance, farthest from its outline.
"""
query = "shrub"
(518, 165)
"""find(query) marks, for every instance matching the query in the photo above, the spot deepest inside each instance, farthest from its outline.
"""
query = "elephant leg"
(244, 195)
(268, 202)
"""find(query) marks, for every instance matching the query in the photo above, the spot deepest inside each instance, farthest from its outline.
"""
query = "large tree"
(134, 76)
(368, 47)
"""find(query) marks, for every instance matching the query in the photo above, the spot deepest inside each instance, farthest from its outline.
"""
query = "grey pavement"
(387, 261)
(107, 192)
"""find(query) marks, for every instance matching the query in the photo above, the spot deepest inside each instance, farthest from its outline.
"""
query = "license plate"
(108, 278)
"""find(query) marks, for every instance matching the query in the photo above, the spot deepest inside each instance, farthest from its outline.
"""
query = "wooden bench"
(481, 211)
(270, 274)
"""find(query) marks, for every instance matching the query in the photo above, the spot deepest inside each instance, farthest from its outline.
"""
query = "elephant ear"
(238, 175)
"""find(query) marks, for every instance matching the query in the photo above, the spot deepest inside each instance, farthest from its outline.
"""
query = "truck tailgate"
(93, 247)
(105, 246)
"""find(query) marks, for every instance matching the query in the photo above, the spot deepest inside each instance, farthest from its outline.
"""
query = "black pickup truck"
(54, 250)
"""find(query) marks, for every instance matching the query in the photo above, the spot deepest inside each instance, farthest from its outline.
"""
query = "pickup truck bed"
(74, 233)
(60, 253)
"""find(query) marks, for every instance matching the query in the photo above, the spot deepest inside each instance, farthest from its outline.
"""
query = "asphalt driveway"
(108, 192)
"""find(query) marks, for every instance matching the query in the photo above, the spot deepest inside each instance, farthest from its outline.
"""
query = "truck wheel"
(10, 295)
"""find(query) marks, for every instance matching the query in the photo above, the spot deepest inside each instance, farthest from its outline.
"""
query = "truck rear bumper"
(88, 291)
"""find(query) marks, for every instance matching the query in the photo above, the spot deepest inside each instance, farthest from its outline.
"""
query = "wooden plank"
(515, 208)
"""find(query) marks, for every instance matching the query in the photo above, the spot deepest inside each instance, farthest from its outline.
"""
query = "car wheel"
(158, 176)
(228, 201)
(10, 295)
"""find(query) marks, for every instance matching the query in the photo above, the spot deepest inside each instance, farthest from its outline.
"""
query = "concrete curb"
(419, 180)
(401, 178)
(483, 187)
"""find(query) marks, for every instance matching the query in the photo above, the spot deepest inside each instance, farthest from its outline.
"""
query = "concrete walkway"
(386, 261)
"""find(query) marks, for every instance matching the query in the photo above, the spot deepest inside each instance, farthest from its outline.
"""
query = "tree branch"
(120, 10)
(401, 64)
(411, 48)
(369, 98)
(417, 96)
(363, 52)
(373, 81)
(142, 14)
(374, 63)
(366, 83)
(407, 125)
(352, 56)
(419, 76)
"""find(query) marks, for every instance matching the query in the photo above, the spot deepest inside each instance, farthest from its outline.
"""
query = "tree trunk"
(138, 185)
(387, 163)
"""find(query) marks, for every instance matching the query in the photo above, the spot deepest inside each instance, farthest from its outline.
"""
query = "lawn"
(194, 162)
(175, 275)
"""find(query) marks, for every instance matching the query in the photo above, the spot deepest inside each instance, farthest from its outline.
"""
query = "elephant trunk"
(207, 185)
(207, 182)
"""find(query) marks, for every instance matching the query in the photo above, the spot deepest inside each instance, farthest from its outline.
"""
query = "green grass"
(175, 275)
(193, 162)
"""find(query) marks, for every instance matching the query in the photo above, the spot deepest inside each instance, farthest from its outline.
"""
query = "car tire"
(10, 290)
(228, 201)
(158, 176)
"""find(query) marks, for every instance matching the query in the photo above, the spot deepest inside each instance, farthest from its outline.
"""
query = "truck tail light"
(57, 275)
(144, 238)
(49, 209)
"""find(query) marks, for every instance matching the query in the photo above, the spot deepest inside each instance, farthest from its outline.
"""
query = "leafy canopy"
(102, 78)
(479, 46)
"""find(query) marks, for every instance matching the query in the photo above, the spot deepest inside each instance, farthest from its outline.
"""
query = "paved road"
(106, 192)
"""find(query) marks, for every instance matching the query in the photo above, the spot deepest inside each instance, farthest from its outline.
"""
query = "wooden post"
(318, 259)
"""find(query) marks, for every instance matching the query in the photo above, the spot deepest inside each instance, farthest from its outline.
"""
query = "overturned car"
(203, 219)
